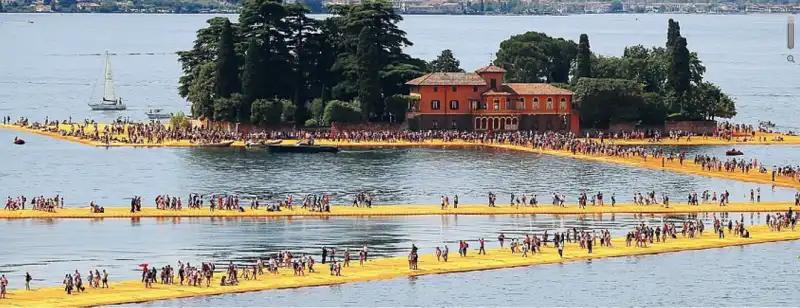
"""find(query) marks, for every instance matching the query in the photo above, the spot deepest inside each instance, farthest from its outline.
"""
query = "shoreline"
(674, 166)
(403, 210)
(696, 141)
(133, 291)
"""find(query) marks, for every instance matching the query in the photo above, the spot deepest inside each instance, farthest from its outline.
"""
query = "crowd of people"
(74, 282)
(39, 203)
(126, 131)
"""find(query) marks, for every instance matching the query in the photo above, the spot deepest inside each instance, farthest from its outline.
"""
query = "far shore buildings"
(480, 101)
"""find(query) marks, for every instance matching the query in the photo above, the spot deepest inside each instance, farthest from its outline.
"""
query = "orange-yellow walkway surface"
(787, 139)
(688, 167)
(133, 291)
(770, 139)
(405, 210)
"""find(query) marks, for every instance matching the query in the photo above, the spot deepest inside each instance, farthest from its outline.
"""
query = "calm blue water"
(51, 66)
(757, 275)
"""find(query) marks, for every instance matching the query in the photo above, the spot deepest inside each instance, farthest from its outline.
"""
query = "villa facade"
(480, 101)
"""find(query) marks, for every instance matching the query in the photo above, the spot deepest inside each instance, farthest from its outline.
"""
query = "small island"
(279, 67)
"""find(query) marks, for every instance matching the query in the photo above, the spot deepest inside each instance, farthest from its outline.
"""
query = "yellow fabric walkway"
(183, 143)
(133, 291)
(688, 167)
(406, 210)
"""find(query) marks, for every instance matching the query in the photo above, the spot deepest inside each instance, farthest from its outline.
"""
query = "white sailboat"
(110, 100)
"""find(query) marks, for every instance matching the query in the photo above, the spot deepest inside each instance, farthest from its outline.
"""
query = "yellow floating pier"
(770, 139)
(404, 210)
(688, 166)
(133, 291)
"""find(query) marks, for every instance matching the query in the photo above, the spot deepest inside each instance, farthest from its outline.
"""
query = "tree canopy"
(277, 53)
(446, 62)
(662, 82)
(536, 57)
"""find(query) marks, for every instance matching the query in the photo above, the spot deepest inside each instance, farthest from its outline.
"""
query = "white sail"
(109, 93)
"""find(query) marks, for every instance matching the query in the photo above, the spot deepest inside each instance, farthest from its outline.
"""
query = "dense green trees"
(662, 82)
(277, 53)
(277, 65)
(536, 57)
(446, 62)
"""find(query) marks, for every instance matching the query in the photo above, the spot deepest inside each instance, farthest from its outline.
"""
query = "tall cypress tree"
(680, 76)
(369, 83)
(673, 32)
(252, 77)
(584, 58)
(227, 74)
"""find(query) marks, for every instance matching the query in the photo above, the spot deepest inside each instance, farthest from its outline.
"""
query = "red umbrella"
(143, 265)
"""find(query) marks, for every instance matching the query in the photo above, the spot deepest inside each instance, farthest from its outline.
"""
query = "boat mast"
(109, 93)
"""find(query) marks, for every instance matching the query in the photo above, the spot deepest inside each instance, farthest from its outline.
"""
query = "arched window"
(502, 124)
(496, 123)
(484, 125)
(508, 121)
(535, 103)
(549, 104)
(521, 104)
(514, 121)
(477, 123)
(563, 104)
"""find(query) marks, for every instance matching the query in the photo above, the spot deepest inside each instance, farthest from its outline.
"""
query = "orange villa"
(480, 101)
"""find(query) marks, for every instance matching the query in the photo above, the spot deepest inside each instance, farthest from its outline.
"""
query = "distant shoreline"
(404, 14)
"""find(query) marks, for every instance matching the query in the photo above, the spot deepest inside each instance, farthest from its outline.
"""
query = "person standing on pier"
(455, 201)
(482, 249)
(324, 254)
(3, 286)
(501, 238)
(28, 279)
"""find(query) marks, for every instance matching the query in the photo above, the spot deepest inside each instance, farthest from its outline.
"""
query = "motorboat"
(301, 148)
(733, 152)
(18, 141)
(110, 100)
(158, 114)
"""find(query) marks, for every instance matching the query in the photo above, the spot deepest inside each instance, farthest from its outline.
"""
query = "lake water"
(50, 67)
(118, 245)
(53, 64)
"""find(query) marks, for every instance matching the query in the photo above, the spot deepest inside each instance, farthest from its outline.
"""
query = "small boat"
(301, 148)
(733, 152)
(110, 100)
(262, 143)
(158, 114)
(223, 144)
(18, 141)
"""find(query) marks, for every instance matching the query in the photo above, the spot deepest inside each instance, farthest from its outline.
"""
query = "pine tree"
(369, 84)
(227, 73)
(584, 58)
(446, 62)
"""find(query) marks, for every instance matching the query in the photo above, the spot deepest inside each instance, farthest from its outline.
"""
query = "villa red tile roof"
(490, 69)
(448, 79)
(528, 89)
(498, 92)
(536, 88)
